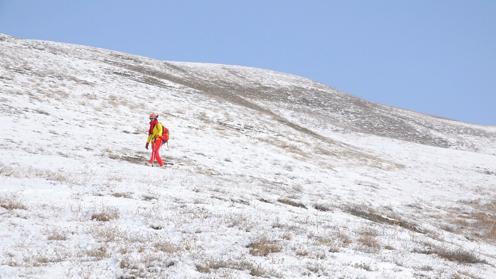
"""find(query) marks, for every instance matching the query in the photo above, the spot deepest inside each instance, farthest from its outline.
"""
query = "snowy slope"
(273, 175)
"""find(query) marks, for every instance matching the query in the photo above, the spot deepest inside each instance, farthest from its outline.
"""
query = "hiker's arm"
(150, 137)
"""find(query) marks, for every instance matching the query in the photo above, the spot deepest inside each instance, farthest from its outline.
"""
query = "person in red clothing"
(155, 137)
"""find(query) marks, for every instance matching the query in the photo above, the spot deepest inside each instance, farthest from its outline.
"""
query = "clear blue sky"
(431, 56)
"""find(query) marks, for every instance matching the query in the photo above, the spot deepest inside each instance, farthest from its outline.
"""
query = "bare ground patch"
(291, 202)
(473, 219)
(127, 155)
(322, 207)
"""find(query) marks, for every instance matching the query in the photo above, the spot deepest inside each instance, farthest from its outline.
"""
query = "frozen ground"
(273, 175)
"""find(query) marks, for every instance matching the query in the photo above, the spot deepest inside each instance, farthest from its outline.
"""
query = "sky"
(432, 56)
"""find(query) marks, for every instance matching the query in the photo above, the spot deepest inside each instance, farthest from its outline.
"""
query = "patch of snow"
(259, 158)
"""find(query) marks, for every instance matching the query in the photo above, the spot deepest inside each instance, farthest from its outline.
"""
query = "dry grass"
(287, 236)
(477, 221)
(320, 240)
(98, 253)
(105, 215)
(240, 221)
(369, 242)
(321, 207)
(277, 224)
(7, 171)
(264, 200)
(241, 265)
(263, 247)
(145, 265)
(122, 195)
(167, 247)
(363, 266)
(41, 259)
(486, 221)
(316, 254)
(11, 203)
(108, 234)
(343, 238)
(56, 235)
(135, 158)
(334, 243)
(291, 202)
(317, 269)
(30, 172)
(463, 275)
(426, 268)
(389, 247)
(334, 247)
(302, 252)
(455, 255)
(125, 263)
(383, 217)
(149, 197)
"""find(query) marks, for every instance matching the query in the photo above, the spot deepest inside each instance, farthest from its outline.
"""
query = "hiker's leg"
(152, 158)
(158, 143)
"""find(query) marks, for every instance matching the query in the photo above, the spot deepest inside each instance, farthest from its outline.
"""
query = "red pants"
(155, 155)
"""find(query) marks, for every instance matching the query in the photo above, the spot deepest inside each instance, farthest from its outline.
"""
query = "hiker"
(155, 137)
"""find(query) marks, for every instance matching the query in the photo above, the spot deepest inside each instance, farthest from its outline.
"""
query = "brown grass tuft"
(368, 240)
(107, 233)
(302, 253)
(105, 215)
(263, 247)
(11, 203)
(455, 255)
(98, 253)
(56, 235)
(486, 223)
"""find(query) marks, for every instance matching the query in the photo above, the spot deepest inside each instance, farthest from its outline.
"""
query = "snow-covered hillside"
(270, 175)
